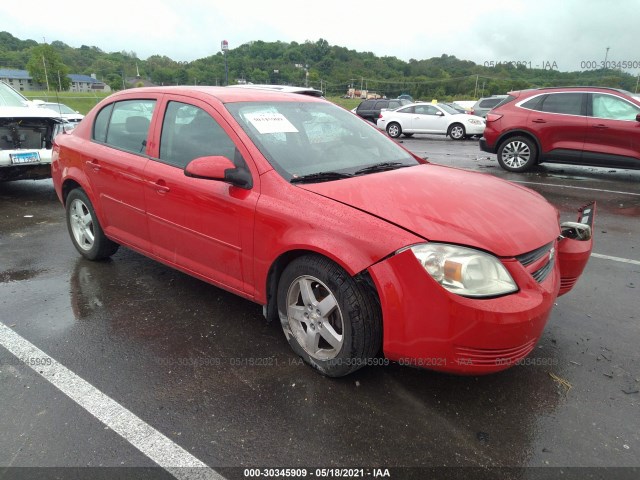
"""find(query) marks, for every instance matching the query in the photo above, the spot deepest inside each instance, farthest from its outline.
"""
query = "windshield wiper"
(320, 177)
(380, 167)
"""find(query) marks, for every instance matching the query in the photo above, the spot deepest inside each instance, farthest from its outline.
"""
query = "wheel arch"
(520, 133)
(453, 124)
(284, 259)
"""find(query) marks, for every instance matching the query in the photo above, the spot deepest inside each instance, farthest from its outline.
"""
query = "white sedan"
(430, 118)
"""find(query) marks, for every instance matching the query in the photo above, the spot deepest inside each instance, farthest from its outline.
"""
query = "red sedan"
(354, 244)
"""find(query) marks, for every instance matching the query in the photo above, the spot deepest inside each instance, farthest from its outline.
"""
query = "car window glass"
(534, 103)
(407, 110)
(426, 110)
(565, 103)
(393, 104)
(189, 132)
(367, 104)
(101, 124)
(490, 102)
(129, 124)
(608, 106)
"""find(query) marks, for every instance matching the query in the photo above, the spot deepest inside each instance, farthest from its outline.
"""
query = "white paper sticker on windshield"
(271, 123)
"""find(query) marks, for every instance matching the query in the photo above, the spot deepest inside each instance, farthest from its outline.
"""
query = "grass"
(80, 101)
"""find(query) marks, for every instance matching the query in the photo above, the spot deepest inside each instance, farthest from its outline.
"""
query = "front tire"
(457, 131)
(517, 154)
(332, 321)
(85, 230)
(394, 130)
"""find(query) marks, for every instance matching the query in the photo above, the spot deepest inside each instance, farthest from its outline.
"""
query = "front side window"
(305, 138)
(613, 108)
(189, 132)
(125, 125)
(564, 103)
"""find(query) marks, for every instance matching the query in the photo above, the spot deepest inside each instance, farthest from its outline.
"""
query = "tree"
(45, 59)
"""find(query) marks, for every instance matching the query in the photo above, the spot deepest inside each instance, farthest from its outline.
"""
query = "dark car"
(370, 109)
(580, 125)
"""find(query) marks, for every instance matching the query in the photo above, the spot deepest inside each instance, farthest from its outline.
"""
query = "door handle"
(538, 120)
(160, 186)
(600, 125)
(93, 164)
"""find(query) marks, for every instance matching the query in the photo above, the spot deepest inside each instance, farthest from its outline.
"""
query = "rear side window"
(394, 104)
(534, 103)
(564, 103)
(381, 105)
(102, 123)
(125, 125)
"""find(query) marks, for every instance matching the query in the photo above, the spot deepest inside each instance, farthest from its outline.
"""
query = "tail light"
(492, 117)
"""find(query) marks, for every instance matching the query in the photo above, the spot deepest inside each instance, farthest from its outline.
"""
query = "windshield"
(10, 98)
(306, 138)
(448, 109)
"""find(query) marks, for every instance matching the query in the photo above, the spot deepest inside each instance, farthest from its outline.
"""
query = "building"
(21, 80)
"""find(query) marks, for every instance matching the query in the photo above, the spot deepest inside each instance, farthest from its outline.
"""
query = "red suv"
(580, 125)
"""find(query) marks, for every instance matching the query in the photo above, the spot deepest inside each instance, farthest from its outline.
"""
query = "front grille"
(530, 257)
(498, 356)
(542, 273)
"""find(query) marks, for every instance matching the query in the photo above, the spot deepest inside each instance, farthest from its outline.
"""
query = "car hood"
(445, 204)
(29, 112)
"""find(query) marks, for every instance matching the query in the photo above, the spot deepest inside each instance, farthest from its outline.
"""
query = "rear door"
(613, 132)
(560, 123)
(202, 226)
(115, 168)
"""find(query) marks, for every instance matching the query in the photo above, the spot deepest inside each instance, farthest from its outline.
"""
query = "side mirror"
(218, 168)
(439, 114)
(638, 117)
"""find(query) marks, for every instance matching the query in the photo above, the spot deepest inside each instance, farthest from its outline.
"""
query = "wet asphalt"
(204, 368)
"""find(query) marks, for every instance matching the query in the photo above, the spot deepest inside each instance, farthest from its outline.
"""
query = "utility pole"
(475, 93)
(225, 47)
(606, 55)
(46, 77)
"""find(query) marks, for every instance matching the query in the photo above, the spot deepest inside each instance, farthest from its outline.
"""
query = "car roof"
(573, 88)
(283, 88)
(222, 94)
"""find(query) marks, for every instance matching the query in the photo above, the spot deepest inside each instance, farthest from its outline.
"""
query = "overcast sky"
(543, 32)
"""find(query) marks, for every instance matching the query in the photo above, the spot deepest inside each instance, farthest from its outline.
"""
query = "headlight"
(475, 121)
(465, 271)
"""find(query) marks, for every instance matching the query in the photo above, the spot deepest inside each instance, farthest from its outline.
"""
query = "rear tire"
(85, 230)
(517, 154)
(331, 320)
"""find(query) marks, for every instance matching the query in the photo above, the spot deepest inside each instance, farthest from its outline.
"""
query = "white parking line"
(168, 455)
(615, 259)
(578, 188)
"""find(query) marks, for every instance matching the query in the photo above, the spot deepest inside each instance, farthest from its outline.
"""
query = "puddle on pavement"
(19, 275)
